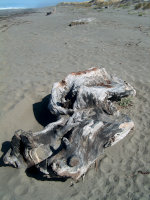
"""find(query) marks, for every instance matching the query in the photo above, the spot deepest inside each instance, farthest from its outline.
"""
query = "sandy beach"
(37, 50)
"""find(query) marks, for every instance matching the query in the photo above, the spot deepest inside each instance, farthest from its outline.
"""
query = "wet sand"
(38, 50)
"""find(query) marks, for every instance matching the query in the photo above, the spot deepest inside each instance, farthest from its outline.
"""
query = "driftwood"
(51, 12)
(88, 122)
(81, 21)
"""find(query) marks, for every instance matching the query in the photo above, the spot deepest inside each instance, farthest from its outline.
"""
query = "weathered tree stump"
(88, 122)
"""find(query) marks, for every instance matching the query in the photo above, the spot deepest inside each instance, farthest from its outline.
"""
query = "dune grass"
(125, 102)
(100, 4)
(77, 4)
(144, 6)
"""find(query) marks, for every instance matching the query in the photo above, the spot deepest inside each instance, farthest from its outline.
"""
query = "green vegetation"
(140, 14)
(77, 4)
(84, 4)
(105, 4)
(131, 13)
(125, 102)
(144, 6)
(123, 5)
(137, 6)
(99, 4)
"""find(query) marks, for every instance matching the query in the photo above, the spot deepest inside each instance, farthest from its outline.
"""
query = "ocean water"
(22, 4)
(9, 8)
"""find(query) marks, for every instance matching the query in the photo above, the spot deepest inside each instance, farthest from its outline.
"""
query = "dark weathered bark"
(88, 122)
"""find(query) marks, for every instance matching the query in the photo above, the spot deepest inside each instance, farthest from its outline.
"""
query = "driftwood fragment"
(88, 122)
(81, 21)
(51, 12)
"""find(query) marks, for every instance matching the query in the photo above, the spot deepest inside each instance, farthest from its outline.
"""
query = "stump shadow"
(5, 147)
(43, 116)
(42, 113)
(33, 172)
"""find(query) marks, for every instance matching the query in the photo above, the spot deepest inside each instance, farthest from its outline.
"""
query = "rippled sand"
(38, 50)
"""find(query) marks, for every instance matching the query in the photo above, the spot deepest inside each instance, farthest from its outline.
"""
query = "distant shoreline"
(9, 13)
(12, 8)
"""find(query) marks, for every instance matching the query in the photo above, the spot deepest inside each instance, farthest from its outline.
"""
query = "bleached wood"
(88, 122)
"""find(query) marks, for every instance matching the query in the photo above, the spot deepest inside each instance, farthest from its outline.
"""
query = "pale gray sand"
(35, 52)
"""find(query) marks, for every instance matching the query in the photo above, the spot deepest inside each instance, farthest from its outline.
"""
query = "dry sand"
(38, 50)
